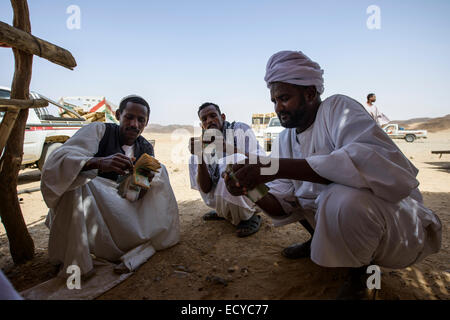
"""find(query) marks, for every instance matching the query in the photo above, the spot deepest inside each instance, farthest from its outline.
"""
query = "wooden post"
(9, 120)
(19, 39)
(23, 104)
(20, 242)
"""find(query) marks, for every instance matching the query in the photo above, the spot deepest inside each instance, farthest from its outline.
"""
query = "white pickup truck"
(45, 130)
(271, 133)
(395, 132)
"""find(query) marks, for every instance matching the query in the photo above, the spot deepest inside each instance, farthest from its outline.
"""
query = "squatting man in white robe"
(87, 215)
(205, 176)
(342, 177)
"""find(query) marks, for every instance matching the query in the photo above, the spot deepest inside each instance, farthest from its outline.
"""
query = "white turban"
(295, 68)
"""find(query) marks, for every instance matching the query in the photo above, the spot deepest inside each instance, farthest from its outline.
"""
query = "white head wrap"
(295, 68)
(134, 96)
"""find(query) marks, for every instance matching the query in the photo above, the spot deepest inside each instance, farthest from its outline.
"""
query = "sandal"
(121, 268)
(212, 215)
(248, 227)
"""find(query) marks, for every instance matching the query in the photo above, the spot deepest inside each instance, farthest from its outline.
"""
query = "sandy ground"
(210, 262)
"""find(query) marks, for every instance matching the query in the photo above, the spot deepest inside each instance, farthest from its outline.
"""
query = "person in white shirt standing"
(379, 117)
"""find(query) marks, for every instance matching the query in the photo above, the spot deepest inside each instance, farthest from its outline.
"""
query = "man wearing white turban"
(342, 177)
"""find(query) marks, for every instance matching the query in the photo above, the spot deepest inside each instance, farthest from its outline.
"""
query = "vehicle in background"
(91, 108)
(260, 121)
(49, 127)
(271, 133)
(46, 130)
(96, 108)
(396, 132)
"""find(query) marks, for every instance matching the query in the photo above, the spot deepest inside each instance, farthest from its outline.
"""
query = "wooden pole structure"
(21, 244)
(26, 42)
(12, 108)
(12, 128)
(23, 104)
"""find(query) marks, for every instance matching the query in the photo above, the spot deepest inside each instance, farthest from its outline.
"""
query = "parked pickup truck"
(395, 132)
(271, 133)
(45, 130)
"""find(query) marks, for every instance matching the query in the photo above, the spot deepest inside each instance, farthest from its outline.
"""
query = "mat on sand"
(56, 289)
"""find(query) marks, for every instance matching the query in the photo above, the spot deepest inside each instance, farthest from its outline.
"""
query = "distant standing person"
(372, 109)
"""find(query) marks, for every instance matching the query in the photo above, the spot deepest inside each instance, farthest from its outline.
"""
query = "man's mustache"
(133, 130)
(283, 113)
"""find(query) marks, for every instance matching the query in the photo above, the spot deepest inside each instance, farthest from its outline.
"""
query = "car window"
(4, 94)
(275, 122)
(50, 112)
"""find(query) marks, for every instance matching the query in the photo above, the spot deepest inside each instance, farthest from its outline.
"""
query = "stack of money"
(131, 184)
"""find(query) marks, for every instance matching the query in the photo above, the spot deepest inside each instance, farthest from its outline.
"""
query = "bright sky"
(179, 54)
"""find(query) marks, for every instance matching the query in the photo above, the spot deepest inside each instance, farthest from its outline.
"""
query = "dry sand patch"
(210, 262)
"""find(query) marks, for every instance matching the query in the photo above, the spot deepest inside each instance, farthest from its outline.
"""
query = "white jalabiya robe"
(373, 212)
(7, 291)
(234, 209)
(88, 216)
(379, 117)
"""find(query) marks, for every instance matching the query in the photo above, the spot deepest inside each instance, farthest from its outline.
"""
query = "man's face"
(373, 98)
(133, 120)
(210, 118)
(292, 105)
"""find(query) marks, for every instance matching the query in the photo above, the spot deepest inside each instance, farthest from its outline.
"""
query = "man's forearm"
(203, 178)
(271, 205)
(298, 169)
(293, 169)
(93, 163)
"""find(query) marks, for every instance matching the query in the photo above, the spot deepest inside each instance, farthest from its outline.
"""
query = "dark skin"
(372, 100)
(133, 120)
(210, 119)
(297, 108)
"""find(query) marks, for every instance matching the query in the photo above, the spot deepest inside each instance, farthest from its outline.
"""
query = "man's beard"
(294, 119)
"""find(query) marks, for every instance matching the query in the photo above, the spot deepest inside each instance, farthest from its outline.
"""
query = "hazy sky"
(179, 54)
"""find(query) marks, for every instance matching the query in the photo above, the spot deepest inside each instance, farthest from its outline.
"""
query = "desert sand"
(211, 262)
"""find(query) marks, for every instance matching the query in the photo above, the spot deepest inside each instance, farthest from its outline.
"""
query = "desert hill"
(157, 128)
(429, 124)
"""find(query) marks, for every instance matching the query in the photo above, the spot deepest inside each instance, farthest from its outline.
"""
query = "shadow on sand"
(211, 262)
(29, 176)
(443, 166)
